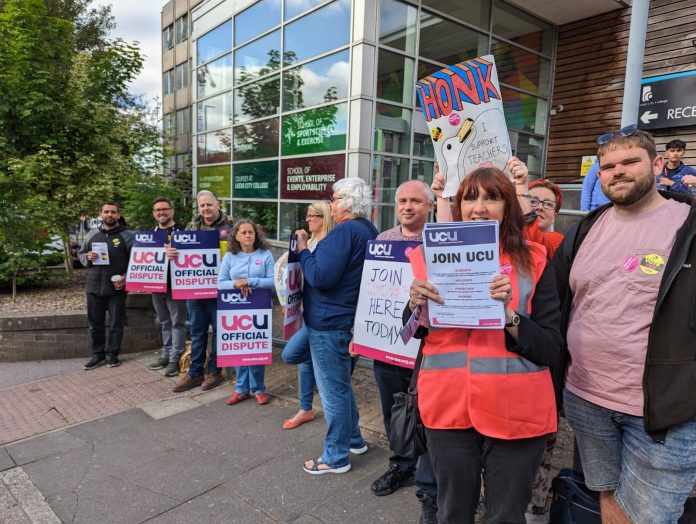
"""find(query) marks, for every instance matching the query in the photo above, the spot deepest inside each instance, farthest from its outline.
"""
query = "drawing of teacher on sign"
(463, 108)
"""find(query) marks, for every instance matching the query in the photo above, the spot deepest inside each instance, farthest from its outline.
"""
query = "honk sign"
(463, 108)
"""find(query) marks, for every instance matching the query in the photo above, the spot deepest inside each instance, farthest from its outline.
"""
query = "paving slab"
(168, 407)
(6, 461)
(43, 446)
(29, 499)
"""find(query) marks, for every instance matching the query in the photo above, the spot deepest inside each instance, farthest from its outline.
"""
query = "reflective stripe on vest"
(482, 365)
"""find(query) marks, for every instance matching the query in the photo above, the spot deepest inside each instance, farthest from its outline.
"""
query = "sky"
(139, 20)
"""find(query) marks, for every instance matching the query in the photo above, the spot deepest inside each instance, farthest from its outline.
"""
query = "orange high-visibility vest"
(469, 379)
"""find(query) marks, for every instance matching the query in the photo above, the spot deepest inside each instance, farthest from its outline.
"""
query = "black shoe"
(95, 362)
(113, 362)
(159, 364)
(428, 510)
(392, 480)
(172, 369)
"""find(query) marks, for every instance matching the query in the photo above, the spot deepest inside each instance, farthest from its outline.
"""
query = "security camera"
(559, 108)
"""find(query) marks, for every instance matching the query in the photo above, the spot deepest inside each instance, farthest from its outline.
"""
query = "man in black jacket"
(626, 275)
(105, 252)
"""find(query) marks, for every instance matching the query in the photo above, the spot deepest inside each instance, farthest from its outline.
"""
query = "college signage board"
(244, 328)
(463, 107)
(148, 264)
(315, 131)
(668, 101)
(311, 178)
(195, 270)
(255, 180)
(386, 279)
(215, 179)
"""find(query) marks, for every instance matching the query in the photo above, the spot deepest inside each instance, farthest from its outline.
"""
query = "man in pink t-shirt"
(626, 285)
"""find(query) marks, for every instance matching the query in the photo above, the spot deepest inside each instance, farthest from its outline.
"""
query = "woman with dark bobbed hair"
(485, 396)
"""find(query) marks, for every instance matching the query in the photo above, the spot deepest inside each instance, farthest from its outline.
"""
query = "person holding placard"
(486, 396)
(332, 275)
(247, 265)
(296, 351)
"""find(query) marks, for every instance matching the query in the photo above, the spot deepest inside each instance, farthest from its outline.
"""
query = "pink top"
(615, 279)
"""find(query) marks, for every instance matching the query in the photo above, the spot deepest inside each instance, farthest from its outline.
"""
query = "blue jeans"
(250, 379)
(651, 481)
(202, 313)
(296, 352)
(332, 369)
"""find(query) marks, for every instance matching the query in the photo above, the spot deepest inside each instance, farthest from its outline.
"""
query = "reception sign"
(311, 178)
(244, 327)
(386, 279)
(463, 108)
(195, 270)
(147, 268)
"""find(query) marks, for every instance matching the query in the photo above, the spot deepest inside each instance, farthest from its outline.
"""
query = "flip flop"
(314, 468)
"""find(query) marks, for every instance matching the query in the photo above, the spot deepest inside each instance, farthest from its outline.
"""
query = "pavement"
(115, 445)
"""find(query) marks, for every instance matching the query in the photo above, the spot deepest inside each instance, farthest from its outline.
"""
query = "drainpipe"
(634, 61)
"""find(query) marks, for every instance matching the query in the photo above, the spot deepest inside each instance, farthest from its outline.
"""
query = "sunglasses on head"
(624, 132)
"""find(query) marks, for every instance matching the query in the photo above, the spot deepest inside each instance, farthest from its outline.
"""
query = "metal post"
(634, 61)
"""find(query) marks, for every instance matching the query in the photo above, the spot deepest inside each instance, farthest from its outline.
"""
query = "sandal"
(315, 468)
(298, 419)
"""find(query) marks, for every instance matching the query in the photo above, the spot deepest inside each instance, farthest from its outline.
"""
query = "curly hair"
(496, 184)
(356, 196)
(260, 241)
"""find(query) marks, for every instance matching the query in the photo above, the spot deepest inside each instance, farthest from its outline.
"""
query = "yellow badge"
(116, 242)
(652, 264)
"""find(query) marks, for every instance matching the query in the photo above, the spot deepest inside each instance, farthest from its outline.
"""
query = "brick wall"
(45, 336)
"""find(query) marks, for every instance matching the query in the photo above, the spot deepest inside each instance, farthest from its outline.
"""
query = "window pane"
(255, 180)
(475, 12)
(215, 179)
(316, 82)
(315, 131)
(168, 37)
(182, 75)
(214, 42)
(530, 150)
(256, 20)
(423, 170)
(214, 76)
(387, 174)
(295, 7)
(311, 178)
(215, 112)
(183, 121)
(422, 143)
(214, 147)
(258, 58)
(318, 32)
(257, 100)
(292, 218)
(395, 77)
(256, 140)
(447, 42)
(392, 129)
(521, 68)
(397, 25)
(263, 214)
(168, 124)
(181, 29)
(522, 28)
(524, 112)
(168, 82)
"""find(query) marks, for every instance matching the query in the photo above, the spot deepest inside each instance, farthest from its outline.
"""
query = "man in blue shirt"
(675, 175)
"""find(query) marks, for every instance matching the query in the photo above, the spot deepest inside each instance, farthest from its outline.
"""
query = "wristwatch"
(514, 321)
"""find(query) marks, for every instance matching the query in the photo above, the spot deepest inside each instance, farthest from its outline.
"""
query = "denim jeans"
(296, 352)
(332, 369)
(390, 380)
(202, 313)
(250, 379)
(171, 314)
(97, 306)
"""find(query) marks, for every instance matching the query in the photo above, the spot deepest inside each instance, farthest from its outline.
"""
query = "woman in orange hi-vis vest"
(485, 396)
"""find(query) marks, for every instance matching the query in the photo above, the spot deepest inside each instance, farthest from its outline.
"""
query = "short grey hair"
(356, 196)
(426, 189)
(204, 192)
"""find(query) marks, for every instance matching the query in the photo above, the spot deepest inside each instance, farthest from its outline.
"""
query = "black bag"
(407, 435)
(573, 502)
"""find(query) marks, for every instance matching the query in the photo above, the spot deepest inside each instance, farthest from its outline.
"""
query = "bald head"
(414, 202)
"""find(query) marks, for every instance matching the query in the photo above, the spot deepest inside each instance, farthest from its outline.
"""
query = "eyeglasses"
(313, 216)
(162, 209)
(624, 132)
(546, 204)
(333, 198)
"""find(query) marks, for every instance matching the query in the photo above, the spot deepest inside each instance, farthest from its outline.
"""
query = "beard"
(621, 196)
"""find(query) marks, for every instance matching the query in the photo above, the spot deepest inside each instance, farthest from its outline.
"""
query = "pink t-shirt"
(615, 279)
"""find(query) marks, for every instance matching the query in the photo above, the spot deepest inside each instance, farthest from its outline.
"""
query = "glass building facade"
(291, 95)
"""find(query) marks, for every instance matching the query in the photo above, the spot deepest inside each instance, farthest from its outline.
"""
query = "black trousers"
(395, 379)
(97, 306)
(459, 456)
